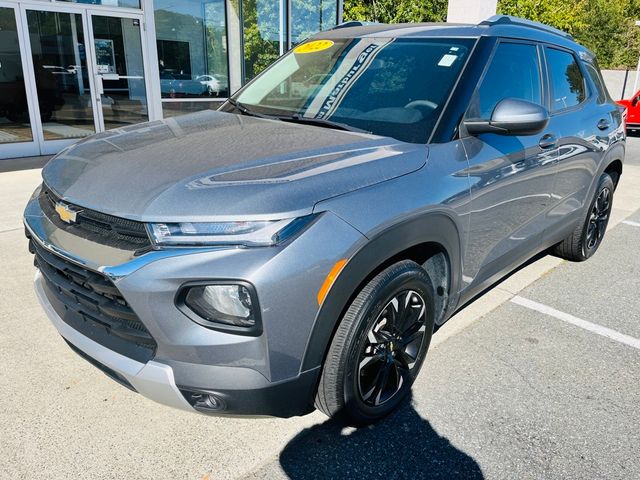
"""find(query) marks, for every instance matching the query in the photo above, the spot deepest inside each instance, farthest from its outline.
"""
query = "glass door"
(85, 74)
(61, 73)
(119, 69)
(16, 130)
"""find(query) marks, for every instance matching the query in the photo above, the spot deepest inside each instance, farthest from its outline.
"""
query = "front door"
(511, 177)
(88, 73)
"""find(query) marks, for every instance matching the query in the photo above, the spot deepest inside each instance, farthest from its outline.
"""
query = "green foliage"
(567, 15)
(396, 11)
(607, 27)
(261, 28)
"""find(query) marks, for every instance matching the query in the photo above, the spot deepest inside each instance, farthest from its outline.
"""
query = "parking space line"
(629, 222)
(578, 322)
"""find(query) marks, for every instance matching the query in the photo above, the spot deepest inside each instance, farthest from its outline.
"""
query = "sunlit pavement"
(538, 379)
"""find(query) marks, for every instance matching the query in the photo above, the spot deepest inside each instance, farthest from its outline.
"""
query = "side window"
(568, 87)
(514, 72)
(598, 82)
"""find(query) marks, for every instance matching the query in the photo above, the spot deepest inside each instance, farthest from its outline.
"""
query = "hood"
(214, 166)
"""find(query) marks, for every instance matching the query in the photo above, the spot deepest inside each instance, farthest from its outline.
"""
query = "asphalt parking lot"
(537, 379)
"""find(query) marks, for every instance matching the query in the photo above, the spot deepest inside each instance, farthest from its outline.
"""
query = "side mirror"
(634, 102)
(512, 116)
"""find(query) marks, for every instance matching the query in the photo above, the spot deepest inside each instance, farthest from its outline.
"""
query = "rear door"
(510, 176)
(582, 123)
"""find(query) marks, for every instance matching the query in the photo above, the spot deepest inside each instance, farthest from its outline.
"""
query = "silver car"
(298, 247)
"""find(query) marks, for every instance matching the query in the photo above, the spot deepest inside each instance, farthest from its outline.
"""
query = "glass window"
(514, 73)
(14, 112)
(567, 83)
(390, 87)
(173, 109)
(598, 82)
(263, 39)
(61, 75)
(109, 3)
(192, 48)
(311, 16)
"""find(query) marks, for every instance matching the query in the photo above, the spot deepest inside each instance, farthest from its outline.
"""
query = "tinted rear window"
(568, 87)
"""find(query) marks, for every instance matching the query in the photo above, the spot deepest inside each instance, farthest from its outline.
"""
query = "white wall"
(470, 11)
(614, 80)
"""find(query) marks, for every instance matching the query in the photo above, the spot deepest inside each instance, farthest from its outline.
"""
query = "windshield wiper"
(320, 122)
(247, 111)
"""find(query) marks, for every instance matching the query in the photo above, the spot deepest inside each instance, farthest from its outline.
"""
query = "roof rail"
(353, 23)
(509, 20)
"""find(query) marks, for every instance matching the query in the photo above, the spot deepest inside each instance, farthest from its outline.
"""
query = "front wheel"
(379, 346)
(588, 235)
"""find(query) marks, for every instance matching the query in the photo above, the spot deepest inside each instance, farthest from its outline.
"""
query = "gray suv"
(299, 247)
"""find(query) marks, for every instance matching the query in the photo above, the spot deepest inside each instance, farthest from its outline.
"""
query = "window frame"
(587, 86)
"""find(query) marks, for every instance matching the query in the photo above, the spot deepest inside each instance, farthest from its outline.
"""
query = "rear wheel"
(587, 237)
(379, 346)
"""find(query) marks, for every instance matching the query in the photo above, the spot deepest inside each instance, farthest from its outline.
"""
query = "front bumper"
(151, 379)
(248, 375)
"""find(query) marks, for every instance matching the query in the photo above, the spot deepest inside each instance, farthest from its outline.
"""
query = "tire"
(588, 235)
(353, 386)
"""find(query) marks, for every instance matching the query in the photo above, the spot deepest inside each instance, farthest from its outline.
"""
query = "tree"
(567, 15)
(607, 27)
(396, 11)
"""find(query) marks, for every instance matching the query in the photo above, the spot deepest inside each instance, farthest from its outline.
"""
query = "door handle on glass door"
(548, 141)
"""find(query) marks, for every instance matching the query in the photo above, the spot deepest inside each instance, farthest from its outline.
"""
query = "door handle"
(548, 141)
(604, 124)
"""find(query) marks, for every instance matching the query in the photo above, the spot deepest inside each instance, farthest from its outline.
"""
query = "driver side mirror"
(511, 116)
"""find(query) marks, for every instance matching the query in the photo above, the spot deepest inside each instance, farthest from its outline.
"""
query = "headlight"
(251, 233)
(231, 305)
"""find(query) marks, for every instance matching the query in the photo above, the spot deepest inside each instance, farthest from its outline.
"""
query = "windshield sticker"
(355, 63)
(447, 60)
(313, 47)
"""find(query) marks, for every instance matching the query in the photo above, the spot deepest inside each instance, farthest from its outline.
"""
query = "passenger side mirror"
(511, 116)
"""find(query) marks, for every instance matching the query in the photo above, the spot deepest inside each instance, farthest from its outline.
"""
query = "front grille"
(96, 226)
(91, 304)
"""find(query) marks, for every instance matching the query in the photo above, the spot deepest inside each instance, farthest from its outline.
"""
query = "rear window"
(568, 87)
(596, 78)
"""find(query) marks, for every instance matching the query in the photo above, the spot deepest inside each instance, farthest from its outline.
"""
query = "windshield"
(394, 87)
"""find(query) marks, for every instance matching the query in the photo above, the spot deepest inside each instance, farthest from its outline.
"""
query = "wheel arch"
(614, 169)
(432, 240)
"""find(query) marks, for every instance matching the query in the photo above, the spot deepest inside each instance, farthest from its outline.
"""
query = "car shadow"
(403, 445)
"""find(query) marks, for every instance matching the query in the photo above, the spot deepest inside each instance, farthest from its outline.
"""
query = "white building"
(70, 69)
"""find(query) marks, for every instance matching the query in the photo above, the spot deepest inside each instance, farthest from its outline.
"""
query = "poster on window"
(105, 56)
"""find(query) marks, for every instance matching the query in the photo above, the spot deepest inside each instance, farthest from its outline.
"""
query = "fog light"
(203, 401)
(224, 304)
(210, 402)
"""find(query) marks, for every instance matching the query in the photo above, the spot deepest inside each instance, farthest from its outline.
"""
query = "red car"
(633, 112)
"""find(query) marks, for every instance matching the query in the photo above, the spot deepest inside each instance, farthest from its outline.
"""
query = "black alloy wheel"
(379, 346)
(598, 219)
(389, 356)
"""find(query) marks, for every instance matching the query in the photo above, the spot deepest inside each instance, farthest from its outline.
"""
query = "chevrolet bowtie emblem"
(66, 213)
